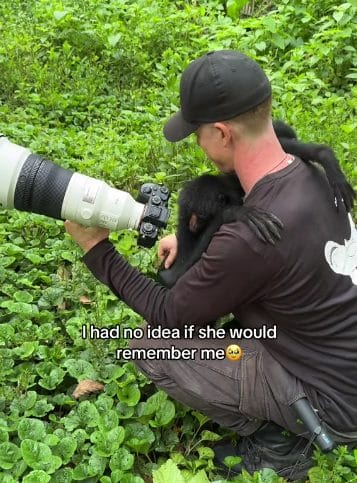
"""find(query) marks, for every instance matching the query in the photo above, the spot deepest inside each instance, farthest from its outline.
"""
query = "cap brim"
(177, 128)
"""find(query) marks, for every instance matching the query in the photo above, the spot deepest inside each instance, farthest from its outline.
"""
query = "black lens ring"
(41, 187)
(25, 181)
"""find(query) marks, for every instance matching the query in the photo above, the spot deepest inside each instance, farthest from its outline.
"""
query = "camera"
(156, 214)
(34, 184)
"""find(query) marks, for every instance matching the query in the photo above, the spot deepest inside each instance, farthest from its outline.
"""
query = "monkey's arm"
(266, 227)
(325, 156)
(188, 256)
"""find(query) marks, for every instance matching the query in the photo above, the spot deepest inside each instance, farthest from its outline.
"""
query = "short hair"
(256, 120)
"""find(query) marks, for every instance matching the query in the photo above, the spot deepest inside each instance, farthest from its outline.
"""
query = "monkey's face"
(207, 208)
(204, 198)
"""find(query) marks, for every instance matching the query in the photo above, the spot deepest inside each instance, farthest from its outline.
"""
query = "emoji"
(234, 352)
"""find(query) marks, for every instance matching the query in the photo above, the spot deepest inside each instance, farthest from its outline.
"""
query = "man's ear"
(226, 132)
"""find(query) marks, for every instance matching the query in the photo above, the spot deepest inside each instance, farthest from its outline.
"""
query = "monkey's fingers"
(266, 226)
(256, 228)
(344, 193)
(274, 219)
(261, 230)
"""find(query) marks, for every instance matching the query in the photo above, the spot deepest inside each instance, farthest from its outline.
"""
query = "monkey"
(324, 156)
(208, 201)
(205, 203)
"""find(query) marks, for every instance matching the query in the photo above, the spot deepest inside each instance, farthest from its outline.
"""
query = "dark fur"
(207, 202)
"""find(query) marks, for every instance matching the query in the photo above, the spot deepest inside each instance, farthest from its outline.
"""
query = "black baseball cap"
(215, 87)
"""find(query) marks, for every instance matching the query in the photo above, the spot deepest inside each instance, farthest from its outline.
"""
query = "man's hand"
(168, 249)
(86, 237)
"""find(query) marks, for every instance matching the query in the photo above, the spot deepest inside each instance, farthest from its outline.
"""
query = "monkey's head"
(205, 197)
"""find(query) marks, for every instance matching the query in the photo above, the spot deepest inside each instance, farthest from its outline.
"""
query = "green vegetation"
(89, 85)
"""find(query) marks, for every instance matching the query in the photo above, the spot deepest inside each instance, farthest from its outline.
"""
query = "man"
(226, 102)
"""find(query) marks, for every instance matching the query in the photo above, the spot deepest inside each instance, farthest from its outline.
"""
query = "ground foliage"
(89, 85)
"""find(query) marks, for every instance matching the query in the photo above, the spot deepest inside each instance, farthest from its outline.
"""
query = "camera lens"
(31, 183)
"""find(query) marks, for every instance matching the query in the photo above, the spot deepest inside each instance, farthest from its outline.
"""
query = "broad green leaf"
(200, 477)
(60, 14)
(112, 372)
(23, 296)
(24, 403)
(97, 464)
(317, 475)
(19, 469)
(129, 394)
(85, 415)
(30, 428)
(104, 403)
(80, 437)
(114, 39)
(122, 460)
(69, 256)
(209, 436)
(7, 332)
(80, 369)
(34, 258)
(63, 475)
(167, 472)
(154, 403)
(51, 439)
(26, 349)
(234, 7)
(4, 435)
(202, 418)
(65, 449)
(231, 461)
(106, 443)
(37, 476)
(129, 478)
(20, 308)
(164, 414)
(40, 409)
(205, 452)
(139, 437)
(7, 478)
(124, 411)
(37, 455)
(52, 379)
(7, 261)
(261, 45)
(82, 472)
(338, 15)
(108, 420)
(117, 476)
(88, 414)
(9, 454)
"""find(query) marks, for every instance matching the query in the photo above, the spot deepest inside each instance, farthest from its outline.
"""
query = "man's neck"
(257, 158)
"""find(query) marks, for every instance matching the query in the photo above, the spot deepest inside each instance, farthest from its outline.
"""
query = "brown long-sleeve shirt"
(306, 284)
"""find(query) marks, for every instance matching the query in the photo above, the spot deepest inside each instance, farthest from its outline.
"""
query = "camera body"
(155, 216)
(34, 184)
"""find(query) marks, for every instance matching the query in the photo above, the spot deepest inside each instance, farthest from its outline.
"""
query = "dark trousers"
(239, 395)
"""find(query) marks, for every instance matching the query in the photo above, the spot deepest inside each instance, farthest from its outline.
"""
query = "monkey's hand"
(343, 192)
(266, 226)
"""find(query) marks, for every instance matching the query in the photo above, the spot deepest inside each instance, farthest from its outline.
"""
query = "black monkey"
(321, 154)
(207, 202)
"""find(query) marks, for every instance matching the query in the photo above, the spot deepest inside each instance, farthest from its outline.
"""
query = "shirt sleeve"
(230, 274)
